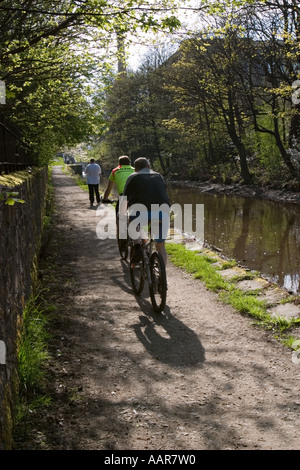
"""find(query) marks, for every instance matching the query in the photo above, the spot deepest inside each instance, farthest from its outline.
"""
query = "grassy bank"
(207, 266)
(33, 354)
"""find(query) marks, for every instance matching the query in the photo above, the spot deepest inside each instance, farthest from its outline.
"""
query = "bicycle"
(123, 244)
(151, 268)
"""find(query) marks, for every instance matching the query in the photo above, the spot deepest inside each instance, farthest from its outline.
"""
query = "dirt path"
(198, 376)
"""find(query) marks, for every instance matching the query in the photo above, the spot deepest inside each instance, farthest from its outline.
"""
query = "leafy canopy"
(53, 54)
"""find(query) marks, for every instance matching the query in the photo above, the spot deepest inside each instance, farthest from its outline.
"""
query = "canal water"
(261, 235)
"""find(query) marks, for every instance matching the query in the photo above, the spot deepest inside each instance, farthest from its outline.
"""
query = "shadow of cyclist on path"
(170, 341)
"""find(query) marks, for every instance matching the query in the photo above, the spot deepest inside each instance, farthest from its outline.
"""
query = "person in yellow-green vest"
(118, 176)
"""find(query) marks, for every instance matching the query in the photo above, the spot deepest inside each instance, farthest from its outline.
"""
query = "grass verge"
(207, 266)
(33, 354)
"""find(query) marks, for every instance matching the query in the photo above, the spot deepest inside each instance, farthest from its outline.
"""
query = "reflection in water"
(261, 235)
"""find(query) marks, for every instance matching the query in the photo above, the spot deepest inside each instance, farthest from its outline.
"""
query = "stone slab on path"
(234, 272)
(267, 292)
(252, 284)
(288, 310)
(273, 295)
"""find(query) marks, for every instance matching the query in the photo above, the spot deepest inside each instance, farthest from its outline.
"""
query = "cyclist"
(118, 176)
(147, 187)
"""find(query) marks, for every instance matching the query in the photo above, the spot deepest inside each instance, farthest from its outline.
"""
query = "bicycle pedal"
(136, 265)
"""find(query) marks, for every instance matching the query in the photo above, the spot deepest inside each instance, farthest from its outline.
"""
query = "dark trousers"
(94, 191)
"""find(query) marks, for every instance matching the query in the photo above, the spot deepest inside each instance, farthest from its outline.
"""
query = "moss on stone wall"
(14, 179)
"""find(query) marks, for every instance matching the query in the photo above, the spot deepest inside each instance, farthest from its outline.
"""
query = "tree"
(211, 82)
(268, 49)
(226, 93)
(277, 56)
(136, 107)
(201, 141)
(47, 59)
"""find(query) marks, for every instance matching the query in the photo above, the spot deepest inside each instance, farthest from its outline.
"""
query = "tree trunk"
(285, 155)
(237, 141)
(245, 174)
(156, 142)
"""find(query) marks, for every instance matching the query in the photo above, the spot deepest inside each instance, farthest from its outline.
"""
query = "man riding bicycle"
(147, 188)
(119, 176)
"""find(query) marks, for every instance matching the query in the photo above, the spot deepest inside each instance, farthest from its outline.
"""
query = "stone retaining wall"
(20, 231)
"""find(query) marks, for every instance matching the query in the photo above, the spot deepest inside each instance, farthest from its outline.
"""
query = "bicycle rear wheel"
(137, 276)
(158, 285)
(123, 248)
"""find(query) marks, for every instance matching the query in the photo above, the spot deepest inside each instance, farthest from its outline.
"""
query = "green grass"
(33, 355)
(204, 267)
(57, 162)
(246, 303)
(33, 347)
(201, 266)
(78, 179)
(33, 351)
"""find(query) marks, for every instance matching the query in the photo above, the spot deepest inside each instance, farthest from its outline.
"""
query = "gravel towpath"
(198, 376)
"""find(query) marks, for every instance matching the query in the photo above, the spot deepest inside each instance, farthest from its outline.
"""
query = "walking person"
(93, 172)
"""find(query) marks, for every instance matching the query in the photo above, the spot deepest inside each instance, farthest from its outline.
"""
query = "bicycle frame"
(151, 268)
(147, 249)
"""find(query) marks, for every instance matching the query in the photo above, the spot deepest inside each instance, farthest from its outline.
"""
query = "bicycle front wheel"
(158, 284)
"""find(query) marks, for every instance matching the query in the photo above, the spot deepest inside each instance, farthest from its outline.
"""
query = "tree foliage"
(54, 53)
(222, 105)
